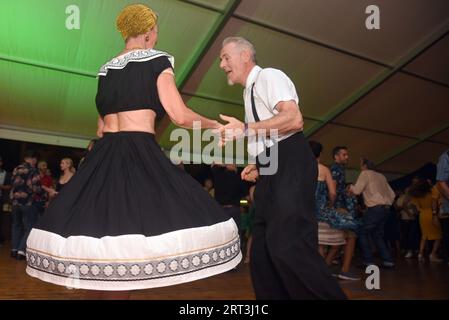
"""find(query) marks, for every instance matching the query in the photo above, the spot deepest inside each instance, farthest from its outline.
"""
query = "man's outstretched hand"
(232, 130)
(250, 173)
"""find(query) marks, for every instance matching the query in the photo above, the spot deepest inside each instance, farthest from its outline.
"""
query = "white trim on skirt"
(132, 262)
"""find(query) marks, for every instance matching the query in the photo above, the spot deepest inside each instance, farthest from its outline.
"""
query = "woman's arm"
(100, 127)
(172, 102)
(51, 192)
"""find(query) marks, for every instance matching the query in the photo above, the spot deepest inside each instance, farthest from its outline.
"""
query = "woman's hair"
(420, 189)
(134, 20)
(316, 147)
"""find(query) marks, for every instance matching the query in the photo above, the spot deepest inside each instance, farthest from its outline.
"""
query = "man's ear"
(245, 55)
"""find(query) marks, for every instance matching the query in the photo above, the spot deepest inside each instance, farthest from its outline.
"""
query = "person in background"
(391, 229)
(5, 186)
(409, 225)
(425, 198)
(68, 170)
(378, 197)
(228, 190)
(88, 149)
(332, 225)
(208, 185)
(345, 205)
(443, 187)
(26, 187)
(46, 182)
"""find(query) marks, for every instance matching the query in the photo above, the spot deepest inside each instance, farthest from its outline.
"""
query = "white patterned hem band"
(132, 262)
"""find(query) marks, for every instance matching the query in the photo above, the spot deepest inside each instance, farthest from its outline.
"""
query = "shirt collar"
(339, 166)
(252, 76)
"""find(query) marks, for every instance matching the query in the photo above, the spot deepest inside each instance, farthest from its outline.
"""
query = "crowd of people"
(27, 192)
(411, 219)
(367, 217)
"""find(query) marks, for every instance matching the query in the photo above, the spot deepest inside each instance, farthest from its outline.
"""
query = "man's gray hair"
(242, 43)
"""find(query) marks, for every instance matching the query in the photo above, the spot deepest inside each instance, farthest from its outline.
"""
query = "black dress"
(129, 218)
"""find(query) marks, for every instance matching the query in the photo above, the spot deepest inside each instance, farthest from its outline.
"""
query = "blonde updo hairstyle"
(134, 20)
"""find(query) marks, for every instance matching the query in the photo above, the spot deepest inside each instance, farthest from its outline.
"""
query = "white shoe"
(433, 258)
(420, 257)
(409, 254)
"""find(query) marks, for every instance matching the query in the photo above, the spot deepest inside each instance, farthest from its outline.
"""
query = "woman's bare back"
(136, 120)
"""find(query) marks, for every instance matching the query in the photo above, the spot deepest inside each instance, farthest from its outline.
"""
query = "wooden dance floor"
(409, 280)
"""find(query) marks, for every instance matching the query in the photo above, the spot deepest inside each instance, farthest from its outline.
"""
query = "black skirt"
(130, 219)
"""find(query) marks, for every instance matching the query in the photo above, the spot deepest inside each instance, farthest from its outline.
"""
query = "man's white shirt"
(271, 87)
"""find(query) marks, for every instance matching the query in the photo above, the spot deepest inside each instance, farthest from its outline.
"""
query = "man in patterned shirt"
(25, 192)
(338, 170)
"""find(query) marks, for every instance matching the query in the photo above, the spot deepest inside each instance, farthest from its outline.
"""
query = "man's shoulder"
(335, 167)
(34, 170)
(444, 156)
(267, 73)
(372, 173)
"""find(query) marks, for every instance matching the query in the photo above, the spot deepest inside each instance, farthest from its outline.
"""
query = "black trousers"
(285, 263)
(445, 229)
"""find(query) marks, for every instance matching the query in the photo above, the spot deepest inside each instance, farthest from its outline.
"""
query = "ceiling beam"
(314, 41)
(207, 42)
(335, 48)
(310, 40)
(45, 137)
(373, 130)
(415, 75)
(240, 105)
(47, 66)
(219, 100)
(370, 87)
(203, 5)
(199, 53)
(410, 145)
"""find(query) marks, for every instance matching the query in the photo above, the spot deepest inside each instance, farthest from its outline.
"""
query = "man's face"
(342, 157)
(43, 167)
(232, 63)
(31, 160)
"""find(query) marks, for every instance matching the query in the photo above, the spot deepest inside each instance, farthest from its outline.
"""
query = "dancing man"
(285, 263)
